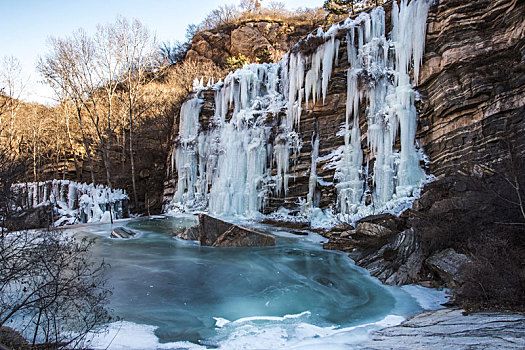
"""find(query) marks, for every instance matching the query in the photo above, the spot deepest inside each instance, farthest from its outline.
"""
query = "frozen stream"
(174, 294)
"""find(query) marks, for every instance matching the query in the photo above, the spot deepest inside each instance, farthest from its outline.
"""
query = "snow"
(226, 169)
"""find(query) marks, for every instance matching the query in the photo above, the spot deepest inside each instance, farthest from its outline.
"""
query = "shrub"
(235, 62)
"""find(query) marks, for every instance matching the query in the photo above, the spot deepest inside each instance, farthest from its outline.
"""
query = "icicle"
(186, 153)
(312, 181)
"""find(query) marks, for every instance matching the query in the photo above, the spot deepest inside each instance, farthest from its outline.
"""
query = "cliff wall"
(471, 87)
(472, 84)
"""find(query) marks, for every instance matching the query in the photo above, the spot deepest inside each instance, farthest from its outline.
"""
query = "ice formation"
(74, 202)
(242, 155)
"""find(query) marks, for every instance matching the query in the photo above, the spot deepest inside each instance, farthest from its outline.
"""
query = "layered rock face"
(471, 87)
(472, 84)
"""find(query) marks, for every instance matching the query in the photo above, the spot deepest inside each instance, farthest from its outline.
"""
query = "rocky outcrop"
(384, 246)
(217, 233)
(258, 40)
(451, 329)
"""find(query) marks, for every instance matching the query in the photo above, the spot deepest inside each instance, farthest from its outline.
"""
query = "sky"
(26, 25)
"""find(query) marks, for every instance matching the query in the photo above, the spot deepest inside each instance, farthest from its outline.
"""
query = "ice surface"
(294, 295)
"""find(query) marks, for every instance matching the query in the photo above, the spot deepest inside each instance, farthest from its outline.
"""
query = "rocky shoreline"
(452, 329)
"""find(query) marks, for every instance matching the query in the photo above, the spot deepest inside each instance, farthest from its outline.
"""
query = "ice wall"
(235, 163)
(73, 202)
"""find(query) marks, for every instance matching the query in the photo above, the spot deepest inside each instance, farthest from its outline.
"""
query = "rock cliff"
(472, 84)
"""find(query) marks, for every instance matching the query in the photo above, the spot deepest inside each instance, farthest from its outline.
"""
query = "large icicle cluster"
(385, 66)
(74, 202)
(226, 167)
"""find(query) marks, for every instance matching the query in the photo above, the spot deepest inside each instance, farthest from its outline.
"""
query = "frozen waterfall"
(73, 202)
(230, 163)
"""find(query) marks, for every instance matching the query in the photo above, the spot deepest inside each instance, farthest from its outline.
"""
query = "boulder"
(217, 233)
(121, 232)
(395, 263)
(450, 266)
(189, 234)
(342, 227)
(344, 244)
(387, 220)
(373, 230)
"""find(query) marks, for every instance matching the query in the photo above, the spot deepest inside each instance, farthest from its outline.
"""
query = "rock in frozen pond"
(121, 232)
(449, 329)
(218, 233)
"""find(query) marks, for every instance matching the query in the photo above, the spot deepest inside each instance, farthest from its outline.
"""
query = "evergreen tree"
(339, 7)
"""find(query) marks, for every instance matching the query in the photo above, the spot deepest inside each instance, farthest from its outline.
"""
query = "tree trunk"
(132, 158)
(70, 139)
(105, 151)
(84, 140)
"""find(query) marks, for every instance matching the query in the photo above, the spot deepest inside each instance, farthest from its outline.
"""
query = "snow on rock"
(74, 202)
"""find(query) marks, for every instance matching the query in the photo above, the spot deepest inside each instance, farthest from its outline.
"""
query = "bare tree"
(250, 5)
(51, 288)
(63, 69)
(220, 16)
(140, 63)
(109, 67)
(12, 85)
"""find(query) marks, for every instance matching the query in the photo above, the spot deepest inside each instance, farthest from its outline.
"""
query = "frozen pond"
(175, 294)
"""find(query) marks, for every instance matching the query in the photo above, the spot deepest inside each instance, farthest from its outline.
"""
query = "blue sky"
(26, 24)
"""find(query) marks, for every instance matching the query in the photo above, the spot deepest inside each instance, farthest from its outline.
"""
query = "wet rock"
(450, 266)
(218, 233)
(122, 233)
(450, 329)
